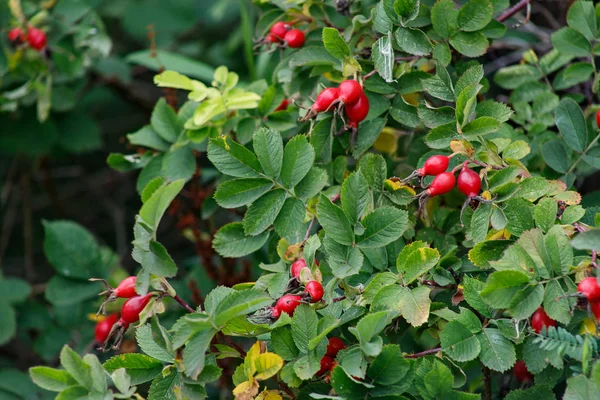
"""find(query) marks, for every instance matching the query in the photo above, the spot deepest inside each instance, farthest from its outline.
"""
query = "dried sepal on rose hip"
(130, 313)
(124, 290)
(104, 326)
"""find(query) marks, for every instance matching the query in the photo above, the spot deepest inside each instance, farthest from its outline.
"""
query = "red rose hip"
(327, 364)
(598, 119)
(279, 29)
(521, 372)
(15, 34)
(334, 346)
(283, 105)
(315, 291)
(36, 38)
(540, 319)
(294, 38)
(358, 111)
(434, 165)
(469, 182)
(297, 267)
(441, 184)
(130, 312)
(104, 327)
(350, 91)
(589, 288)
(288, 303)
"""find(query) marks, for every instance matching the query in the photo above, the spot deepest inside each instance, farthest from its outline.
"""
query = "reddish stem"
(513, 10)
(423, 353)
(184, 304)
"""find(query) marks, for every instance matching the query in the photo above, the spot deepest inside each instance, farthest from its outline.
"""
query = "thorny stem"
(423, 353)
(513, 10)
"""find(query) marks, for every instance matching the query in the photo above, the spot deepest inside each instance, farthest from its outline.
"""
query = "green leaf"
(413, 41)
(414, 304)
(525, 302)
(582, 17)
(466, 103)
(570, 42)
(439, 86)
(344, 260)
(194, 353)
(556, 156)
(471, 76)
(444, 18)
(475, 15)
(459, 342)
(545, 213)
(471, 290)
(179, 164)
(480, 126)
(434, 117)
(441, 136)
(150, 346)
(355, 196)
(290, 219)
(588, 240)
(497, 352)
(268, 146)
(304, 326)
(415, 260)
(8, 328)
(230, 241)
(480, 222)
(174, 79)
(68, 292)
(502, 286)
(157, 261)
(147, 137)
(519, 213)
(233, 159)
(516, 75)
(407, 9)
(76, 367)
(486, 251)
(573, 75)
(581, 388)
(164, 121)
(556, 304)
(383, 226)
(389, 367)
(516, 150)
(470, 44)
(262, 213)
(154, 208)
(369, 132)
(571, 123)
(283, 343)
(54, 380)
(334, 221)
(438, 380)
(312, 184)
(14, 290)
(298, 158)
(71, 249)
(240, 192)
(383, 57)
(239, 303)
(335, 44)
(368, 329)
(140, 367)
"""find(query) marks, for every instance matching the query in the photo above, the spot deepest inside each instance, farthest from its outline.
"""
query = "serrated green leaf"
(268, 146)
(458, 342)
(497, 352)
(475, 15)
(383, 226)
(231, 241)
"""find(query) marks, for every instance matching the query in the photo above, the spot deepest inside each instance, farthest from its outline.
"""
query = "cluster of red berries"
(313, 293)
(350, 94)
(113, 326)
(328, 363)
(35, 37)
(591, 290)
(282, 34)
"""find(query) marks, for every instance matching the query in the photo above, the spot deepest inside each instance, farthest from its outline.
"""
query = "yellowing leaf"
(267, 365)
(411, 98)
(251, 356)
(269, 395)
(588, 326)
(246, 390)
(387, 141)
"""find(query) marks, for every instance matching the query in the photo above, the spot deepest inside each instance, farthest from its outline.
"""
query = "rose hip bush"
(416, 226)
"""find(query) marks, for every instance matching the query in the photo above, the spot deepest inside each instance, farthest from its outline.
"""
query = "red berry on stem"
(14, 34)
(279, 29)
(103, 327)
(275, 313)
(598, 119)
(297, 267)
(315, 291)
(126, 288)
(284, 104)
(540, 319)
(130, 312)
(36, 38)
(294, 38)
(325, 99)
(589, 288)
(350, 91)
(326, 365)
(358, 111)
(434, 165)
(441, 184)
(288, 303)
(521, 372)
(334, 346)
(469, 182)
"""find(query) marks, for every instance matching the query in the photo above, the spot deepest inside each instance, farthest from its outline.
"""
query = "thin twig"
(513, 10)
(423, 353)
(307, 235)
(183, 304)
(487, 382)
(370, 74)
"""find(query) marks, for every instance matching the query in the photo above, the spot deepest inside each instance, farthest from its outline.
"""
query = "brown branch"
(423, 353)
(513, 10)
(487, 382)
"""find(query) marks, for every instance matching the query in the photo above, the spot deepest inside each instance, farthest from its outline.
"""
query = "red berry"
(469, 182)
(279, 29)
(288, 303)
(130, 312)
(327, 364)
(103, 327)
(521, 372)
(441, 184)
(589, 288)
(36, 38)
(126, 288)
(540, 320)
(358, 111)
(350, 91)
(335, 345)
(434, 165)
(294, 38)
(275, 313)
(283, 106)
(272, 38)
(297, 267)
(325, 99)
(15, 34)
(598, 119)
(315, 291)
